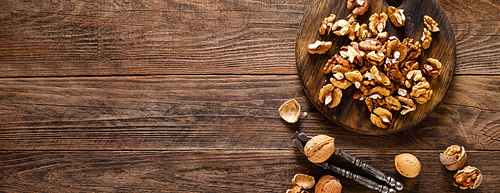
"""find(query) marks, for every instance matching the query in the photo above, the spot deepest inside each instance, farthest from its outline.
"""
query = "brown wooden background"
(182, 96)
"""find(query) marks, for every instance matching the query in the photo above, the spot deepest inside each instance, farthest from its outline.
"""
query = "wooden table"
(182, 96)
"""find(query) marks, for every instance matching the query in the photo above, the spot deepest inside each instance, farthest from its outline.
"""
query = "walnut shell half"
(453, 158)
(303, 180)
(290, 111)
(328, 184)
(319, 148)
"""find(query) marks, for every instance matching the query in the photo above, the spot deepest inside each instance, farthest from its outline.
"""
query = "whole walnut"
(319, 148)
(328, 184)
(407, 165)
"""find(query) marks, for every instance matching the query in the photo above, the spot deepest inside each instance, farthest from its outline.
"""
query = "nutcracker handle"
(357, 162)
(369, 169)
(346, 173)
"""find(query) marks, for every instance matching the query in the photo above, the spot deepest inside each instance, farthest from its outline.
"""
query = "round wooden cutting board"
(353, 114)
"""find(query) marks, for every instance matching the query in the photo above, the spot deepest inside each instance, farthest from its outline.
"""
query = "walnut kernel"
(353, 30)
(430, 24)
(409, 66)
(426, 39)
(327, 24)
(421, 92)
(324, 92)
(397, 16)
(370, 44)
(433, 69)
(414, 48)
(377, 23)
(392, 103)
(381, 117)
(355, 77)
(396, 50)
(341, 27)
(375, 57)
(468, 177)
(363, 32)
(319, 47)
(379, 77)
(360, 6)
(408, 105)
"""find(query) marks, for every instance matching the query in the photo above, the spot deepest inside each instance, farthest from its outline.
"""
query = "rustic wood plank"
(52, 38)
(213, 171)
(215, 112)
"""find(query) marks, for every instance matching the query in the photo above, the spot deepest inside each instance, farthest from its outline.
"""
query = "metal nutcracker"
(298, 138)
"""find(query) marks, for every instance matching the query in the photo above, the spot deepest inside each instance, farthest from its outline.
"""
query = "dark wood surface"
(351, 113)
(182, 96)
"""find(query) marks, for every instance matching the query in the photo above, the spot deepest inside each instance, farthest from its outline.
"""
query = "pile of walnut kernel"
(383, 69)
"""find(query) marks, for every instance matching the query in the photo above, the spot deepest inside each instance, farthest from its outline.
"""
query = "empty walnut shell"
(290, 111)
(328, 184)
(319, 148)
(468, 177)
(453, 158)
(407, 165)
(303, 180)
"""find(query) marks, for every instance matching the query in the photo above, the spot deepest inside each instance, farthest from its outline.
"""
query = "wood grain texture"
(202, 171)
(182, 96)
(81, 38)
(351, 113)
(221, 112)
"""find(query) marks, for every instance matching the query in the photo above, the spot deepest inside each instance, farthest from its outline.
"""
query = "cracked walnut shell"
(328, 184)
(290, 111)
(319, 47)
(468, 177)
(453, 158)
(407, 165)
(295, 189)
(319, 148)
(303, 180)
